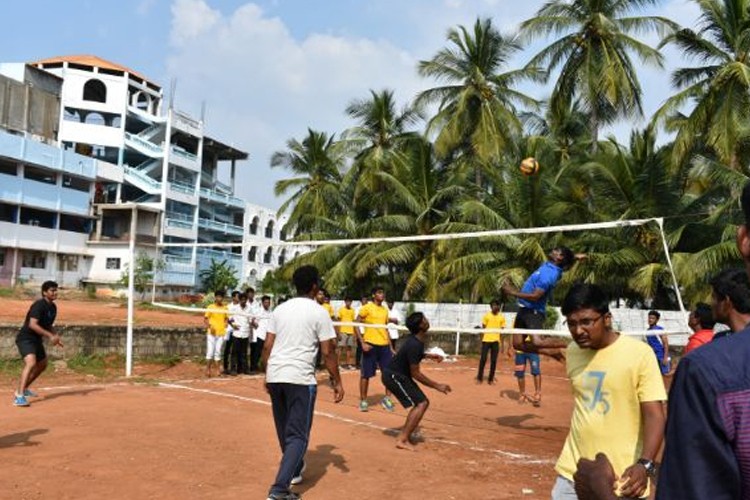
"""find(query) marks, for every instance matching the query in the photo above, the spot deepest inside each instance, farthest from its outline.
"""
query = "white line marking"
(528, 459)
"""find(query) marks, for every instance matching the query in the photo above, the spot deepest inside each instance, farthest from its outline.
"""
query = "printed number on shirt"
(593, 395)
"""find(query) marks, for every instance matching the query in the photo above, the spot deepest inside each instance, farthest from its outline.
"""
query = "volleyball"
(529, 166)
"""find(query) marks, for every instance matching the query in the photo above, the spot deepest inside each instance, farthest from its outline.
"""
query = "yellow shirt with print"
(608, 387)
(217, 321)
(492, 321)
(346, 315)
(375, 315)
(329, 308)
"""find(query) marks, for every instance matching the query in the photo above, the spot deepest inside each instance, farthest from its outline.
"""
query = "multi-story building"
(169, 190)
(45, 191)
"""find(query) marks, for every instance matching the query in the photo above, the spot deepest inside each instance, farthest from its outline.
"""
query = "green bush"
(91, 291)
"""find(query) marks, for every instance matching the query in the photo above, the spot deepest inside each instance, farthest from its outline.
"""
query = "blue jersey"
(544, 278)
(654, 341)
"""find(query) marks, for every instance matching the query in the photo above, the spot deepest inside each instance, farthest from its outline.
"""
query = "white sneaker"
(298, 479)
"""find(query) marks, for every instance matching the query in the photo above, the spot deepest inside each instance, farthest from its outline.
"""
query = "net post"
(131, 303)
(458, 325)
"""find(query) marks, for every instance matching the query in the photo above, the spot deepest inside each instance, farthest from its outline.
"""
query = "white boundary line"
(527, 459)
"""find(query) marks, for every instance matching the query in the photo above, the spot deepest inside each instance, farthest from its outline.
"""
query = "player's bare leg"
(412, 421)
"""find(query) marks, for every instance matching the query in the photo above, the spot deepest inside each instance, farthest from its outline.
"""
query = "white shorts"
(213, 347)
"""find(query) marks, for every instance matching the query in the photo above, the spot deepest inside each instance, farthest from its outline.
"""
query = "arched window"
(269, 229)
(251, 254)
(94, 119)
(95, 90)
(253, 277)
(254, 225)
(268, 256)
(282, 257)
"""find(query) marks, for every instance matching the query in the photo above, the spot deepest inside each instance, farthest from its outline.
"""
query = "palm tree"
(593, 54)
(477, 116)
(317, 163)
(719, 86)
(378, 141)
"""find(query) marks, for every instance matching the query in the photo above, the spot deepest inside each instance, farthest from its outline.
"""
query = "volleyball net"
(462, 324)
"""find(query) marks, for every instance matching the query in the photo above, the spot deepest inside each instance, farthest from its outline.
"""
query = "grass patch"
(11, 366)
(168, 361)
(96, 364)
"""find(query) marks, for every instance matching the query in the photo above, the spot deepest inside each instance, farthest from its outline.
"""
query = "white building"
(264, 233)
(168, 189)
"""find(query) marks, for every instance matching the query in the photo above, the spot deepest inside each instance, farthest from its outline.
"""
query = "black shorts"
(404, 388)
(31, 345)
(529, 319)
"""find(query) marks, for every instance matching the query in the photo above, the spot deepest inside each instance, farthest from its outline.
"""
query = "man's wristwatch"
(649, 465)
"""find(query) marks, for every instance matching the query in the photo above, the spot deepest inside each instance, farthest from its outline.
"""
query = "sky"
(270, 69)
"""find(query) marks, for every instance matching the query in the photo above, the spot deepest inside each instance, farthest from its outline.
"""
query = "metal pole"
(131, 298)
(458, 324)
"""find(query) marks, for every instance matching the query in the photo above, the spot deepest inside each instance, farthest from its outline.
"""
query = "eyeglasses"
(584, 323)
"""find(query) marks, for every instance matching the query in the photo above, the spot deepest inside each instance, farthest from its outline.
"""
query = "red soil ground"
(197, 438)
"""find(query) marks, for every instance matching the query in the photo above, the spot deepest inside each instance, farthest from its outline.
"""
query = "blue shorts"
(379, 356)
(663, 368)
(522, 358)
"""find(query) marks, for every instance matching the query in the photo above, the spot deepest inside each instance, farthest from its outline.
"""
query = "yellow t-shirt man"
(374, 314)
(329, 308)
(608, 387)
(346, 315)
(492, 321)
(217, 320)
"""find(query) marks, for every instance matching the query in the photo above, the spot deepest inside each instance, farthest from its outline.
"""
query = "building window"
(252, 254)
(2, 257)
(269, 229)
(282, 235)
(76, 183)
(34, 260)
(282, 257)
(95, 90)
(75, 224)
(39, 218)
(268, 256)
(67, 262)
(254, 225)
(39, 175)
(113, 263)
(8, 212)
(8, 167)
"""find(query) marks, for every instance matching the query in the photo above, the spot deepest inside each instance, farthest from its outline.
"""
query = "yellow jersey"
(328, 307)
(609, 386)
(346, 315)
(374, 314)
(217, 321)
(494, 321)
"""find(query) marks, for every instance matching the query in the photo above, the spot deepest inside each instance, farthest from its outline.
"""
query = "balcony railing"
(182, 187)
(179, 220)
(220, 226)
(222, 198)
(148, 145)
(184, 154)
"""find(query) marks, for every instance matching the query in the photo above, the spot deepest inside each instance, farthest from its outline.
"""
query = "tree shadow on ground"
(520, 422)
(77, 392)
(317, 462)
(21, 438)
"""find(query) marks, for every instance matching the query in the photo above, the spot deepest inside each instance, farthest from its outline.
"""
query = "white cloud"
(264, 87)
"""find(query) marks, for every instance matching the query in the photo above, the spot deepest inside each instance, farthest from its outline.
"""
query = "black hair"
(349, 298)
(653, 312)
(243, 295)
(250, 290)
(265, 297)
(585, 296)
(236, 293)
(220, 293)
(305, 278)
(705, 315)
(568, 257)
(49, 284)
(735, 285)
(495, 302)
(414, 322)
(745, 200)
(377, 289)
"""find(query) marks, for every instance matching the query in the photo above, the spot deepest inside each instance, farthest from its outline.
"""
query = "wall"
(90, 340)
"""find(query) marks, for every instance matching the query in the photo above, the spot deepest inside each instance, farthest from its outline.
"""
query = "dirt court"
(174, 434)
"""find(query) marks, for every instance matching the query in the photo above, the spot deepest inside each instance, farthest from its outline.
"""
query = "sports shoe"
(283, 496)
(30, 394)
(20, 400)
(298, 478)
(387, 404)
(363, 406)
